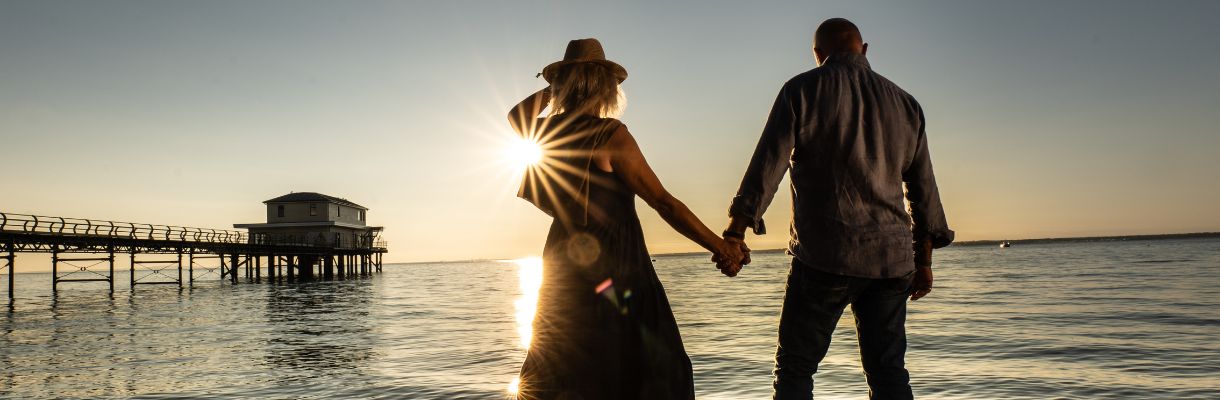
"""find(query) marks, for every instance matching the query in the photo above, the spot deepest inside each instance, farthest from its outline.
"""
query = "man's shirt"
(852, 140)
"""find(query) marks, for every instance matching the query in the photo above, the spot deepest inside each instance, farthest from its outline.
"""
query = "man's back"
(853, 138)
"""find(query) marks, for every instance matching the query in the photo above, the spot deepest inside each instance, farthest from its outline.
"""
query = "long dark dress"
(603, 327)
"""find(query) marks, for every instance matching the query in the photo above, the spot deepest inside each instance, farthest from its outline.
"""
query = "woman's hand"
(741, 244)
(521, 116)
(728, 257)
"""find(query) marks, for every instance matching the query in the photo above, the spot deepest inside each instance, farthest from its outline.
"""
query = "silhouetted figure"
(852, 140)
(603, 327)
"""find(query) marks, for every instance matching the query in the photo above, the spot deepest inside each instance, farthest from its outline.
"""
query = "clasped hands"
(730, 255)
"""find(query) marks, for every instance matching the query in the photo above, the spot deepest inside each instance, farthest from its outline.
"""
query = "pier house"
(306, 234)
(314, 219)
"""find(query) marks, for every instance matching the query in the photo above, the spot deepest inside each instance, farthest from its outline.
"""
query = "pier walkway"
(84, 250)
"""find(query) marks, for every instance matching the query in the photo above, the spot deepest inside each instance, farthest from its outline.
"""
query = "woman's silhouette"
(603, 328)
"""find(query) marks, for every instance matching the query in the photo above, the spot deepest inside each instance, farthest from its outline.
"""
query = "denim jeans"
(813, 303)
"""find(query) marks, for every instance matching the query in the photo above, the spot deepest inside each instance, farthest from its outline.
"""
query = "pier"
(85, 250)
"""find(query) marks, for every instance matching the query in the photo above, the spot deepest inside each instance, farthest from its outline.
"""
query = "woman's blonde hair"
(587, 88)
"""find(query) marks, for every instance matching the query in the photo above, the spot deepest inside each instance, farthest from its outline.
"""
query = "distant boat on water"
(1005, 244)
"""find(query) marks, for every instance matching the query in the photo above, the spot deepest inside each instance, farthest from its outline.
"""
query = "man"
(852, 139)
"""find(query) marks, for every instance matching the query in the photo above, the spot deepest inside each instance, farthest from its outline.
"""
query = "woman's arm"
(628, 162)
(523, 115)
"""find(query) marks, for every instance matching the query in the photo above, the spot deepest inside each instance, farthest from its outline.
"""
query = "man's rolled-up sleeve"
(768, 165)
(927, 213)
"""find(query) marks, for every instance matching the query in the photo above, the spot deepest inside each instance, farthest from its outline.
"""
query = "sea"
(1137, 319)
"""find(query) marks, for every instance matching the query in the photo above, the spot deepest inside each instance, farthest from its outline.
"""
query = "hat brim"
(549, 72)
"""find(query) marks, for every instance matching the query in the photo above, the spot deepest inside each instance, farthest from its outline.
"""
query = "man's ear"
(818, 57)
(864, 50)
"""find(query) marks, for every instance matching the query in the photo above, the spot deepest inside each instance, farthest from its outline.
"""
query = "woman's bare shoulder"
(620, 138)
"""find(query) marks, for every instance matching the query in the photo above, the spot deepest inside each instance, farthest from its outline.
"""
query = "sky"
(1045, 118)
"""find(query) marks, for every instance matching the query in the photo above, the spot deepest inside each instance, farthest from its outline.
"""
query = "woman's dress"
(603, 327)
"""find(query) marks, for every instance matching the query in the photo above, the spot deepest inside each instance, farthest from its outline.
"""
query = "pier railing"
(62, 226)
(37, 224)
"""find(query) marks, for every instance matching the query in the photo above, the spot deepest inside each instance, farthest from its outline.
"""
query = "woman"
(603, 328)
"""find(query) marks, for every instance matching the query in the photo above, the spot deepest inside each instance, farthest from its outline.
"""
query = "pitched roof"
(302, 197)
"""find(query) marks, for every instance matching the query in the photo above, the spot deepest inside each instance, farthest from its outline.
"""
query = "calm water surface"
(1136, 319)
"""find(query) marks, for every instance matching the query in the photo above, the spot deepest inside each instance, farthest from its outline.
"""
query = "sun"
(523, 152)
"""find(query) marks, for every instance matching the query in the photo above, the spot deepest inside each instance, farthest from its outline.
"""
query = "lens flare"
(514, 386)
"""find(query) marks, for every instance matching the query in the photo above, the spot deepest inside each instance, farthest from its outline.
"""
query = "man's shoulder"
(811, 74)
(898, 90)
(802, 81)
(834, 74)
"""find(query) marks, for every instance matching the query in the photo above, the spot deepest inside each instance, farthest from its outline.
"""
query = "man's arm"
(930, 229)
(927, 213)
(767, 167)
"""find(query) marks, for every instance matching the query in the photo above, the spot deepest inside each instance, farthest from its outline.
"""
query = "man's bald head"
(837, 35)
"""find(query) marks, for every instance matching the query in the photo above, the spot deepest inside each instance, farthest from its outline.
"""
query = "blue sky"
(1046, 118)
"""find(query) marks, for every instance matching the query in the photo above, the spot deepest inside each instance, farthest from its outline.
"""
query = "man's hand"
(741, 244)
(734, 236)
(728, 268)
(921, 285)
(728, 257)
(737, 257)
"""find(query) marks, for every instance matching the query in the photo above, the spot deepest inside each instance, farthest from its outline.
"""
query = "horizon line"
(1154, 236)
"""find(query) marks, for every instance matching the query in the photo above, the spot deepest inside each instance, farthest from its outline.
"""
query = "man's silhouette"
(852, 139)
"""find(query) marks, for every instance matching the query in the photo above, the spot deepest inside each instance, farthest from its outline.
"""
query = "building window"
(338, 211)
(362, 215)
(313, 210)
(279, 211)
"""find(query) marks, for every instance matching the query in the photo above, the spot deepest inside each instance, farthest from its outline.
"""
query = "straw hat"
(584, 50)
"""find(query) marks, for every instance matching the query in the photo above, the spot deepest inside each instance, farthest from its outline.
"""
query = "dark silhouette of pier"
(84, 250)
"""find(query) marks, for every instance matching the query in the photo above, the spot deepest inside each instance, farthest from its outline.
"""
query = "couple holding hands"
(856, 147)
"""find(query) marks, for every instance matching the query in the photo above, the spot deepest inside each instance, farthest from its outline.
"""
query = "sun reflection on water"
(529, 273)
(529, 278)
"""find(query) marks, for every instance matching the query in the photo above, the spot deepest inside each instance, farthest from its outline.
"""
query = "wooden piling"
(190, 267)
(233, 265)
(54, 268)
(133, 269)
(110, 251)
(12, 266)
